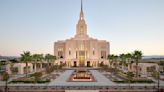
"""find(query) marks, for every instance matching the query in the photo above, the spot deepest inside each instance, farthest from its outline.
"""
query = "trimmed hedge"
(135, 81)
(20, 81)
(46, 81)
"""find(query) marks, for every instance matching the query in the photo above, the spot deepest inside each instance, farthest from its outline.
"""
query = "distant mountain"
(8, 57)
(153, 57)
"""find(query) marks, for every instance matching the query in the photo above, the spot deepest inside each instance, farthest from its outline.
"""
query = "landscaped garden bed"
(38, 77)
(30, 81)
(134, 81)
(32, 78)
(123, 78)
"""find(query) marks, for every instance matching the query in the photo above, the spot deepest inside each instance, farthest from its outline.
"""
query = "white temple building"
(81, 50)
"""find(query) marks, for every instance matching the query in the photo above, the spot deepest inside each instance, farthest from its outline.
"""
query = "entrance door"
(81, 58)
(88, 64)
(75, 64)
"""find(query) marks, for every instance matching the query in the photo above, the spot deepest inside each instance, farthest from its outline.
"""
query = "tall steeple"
(81, 27)
(81, 12)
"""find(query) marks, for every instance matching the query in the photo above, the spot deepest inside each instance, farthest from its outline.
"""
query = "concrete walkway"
(101, 80)
(62, 80)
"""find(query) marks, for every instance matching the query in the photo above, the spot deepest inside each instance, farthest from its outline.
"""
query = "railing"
(62, 88)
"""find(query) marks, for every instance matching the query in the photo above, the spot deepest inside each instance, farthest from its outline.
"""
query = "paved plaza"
(101, 84)
(100, 80)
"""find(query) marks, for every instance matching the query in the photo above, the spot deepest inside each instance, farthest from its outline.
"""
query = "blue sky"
(34, 25)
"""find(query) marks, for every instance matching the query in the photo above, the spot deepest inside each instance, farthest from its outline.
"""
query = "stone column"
(129, 67)
(31, 67)
(21, 70)
(35, 65)
(41, 65)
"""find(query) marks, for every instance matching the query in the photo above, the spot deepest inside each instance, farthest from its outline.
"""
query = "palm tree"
(130, 75)
(41, 57)
(137, 55)
(123, 59)
(26, 57)
(115, 59)
(161, 63)
(128, 57)
(35, 58)
(111, 58)
(6, 78)
(49, 58)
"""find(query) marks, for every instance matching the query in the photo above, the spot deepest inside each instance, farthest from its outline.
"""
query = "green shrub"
(135, 81)
(32, 81)
(43, 81)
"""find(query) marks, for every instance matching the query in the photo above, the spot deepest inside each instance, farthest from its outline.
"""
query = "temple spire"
(81, 5)
(81, 27)
(81, 12)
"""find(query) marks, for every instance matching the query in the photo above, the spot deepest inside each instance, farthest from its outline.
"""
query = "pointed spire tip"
(81, 5)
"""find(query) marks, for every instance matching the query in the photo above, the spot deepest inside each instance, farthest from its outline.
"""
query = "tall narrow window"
(60, 54)
(93, 52)
(103, 54)
(76, 54)
(69, 52)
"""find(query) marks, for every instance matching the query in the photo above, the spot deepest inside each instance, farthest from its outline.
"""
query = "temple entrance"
(81, 58)
(81, 61)
(88, 64)
(75, 64)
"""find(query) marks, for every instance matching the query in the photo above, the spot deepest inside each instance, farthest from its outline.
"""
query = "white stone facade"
(81, 50)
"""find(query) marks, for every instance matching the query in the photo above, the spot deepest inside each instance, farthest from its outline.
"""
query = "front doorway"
(81, 58)
(74, 64)
(88, 64)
